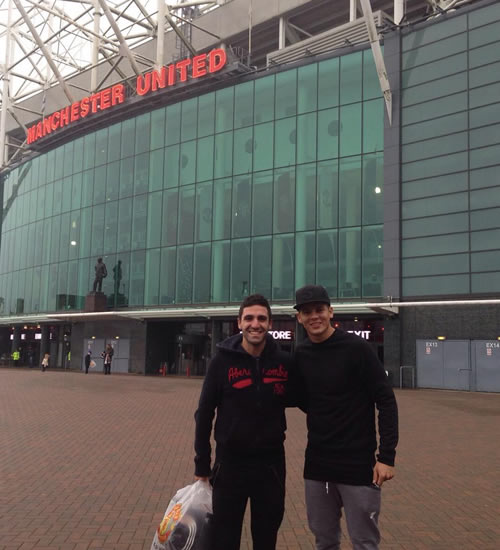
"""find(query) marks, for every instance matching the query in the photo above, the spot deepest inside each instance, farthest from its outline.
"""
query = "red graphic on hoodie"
(277, 374)
(239, 378)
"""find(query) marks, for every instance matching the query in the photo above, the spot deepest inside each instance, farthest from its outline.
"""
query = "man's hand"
(198, 478)
(381, 473)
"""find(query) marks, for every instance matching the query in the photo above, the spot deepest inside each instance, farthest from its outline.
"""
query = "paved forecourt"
(92, 461)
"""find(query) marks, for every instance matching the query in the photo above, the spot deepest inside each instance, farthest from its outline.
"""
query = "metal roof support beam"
(96, 42)
(123, 44)
(5, 89)
(399, 11)
(160, 34)
(377, 56)
(45, 51)
(145, 13)
(178, 31)
(353, 10)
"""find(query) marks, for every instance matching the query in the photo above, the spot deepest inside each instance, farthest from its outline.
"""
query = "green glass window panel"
(305, 258)
(128, 138)
(152, 282)
(220, 271)
(442, 145)
(203, 220)
(434, 186)
(484, 15)
(450, 223)
(156, 161)
(328, 83)
(241, 215)
(485, 219)
(264, 99)
(34, 204)
(429, 286)
(62, 286)
(484, 75)
(372, 262)
(371, 84)
(485, 261)
(484, 35)
(184, 277)
(434, 246)
(434, 128)
(263, 146)
(306, 138)
(57, 204)
(439, 107)
(186, 214)
(243, 151)
(114, 142)
(113, 181)
(373, 187)
(485, 240)
(485, 136)
(173, 124)
(435, 265)
(486, 156)
(445, 204)
(154, 219)
(99, 184)
(284, 200)
(139, 221)
(286, 94)
(485, 282)
(485, 177)
(142, 133)
(127, 177)
(37, 279)
(434, 33)
(224, 109)
(262, 197)
(328, 134)
(351, 71)
(350, 191)
(77, 160)
(171, 173)
(101, 146)
(434, 167)
(243, 104)
(137, 276)
(327, 195)
(68, 162)
(283, 267)
(84, 280)
(307, 88)
(51, 164)
(432, 90)
(85, 232)
(285, 142)
(76, 193)
(74, 235)
(223, 158)
(201, 290)
(111, 227)
(434, 70)
(72, 285)
(98, 224)
(27, 291)
(168, 272)
(141, 174)
(350, 130)
(64, 243)
(33, 237)
(486, 54)
(305, 206)
(206, 114)
(158, 128)
(222, 209)
(188, 163)
(261, 266)
(44, 288)
(189, 113)
(485, 115)
(205, 159)
(349, 268)
(240, 269)
(485, 198)
(58, 172)
(20, 257)
(37, 254)
(426, 54)
(373, 126)
(170, 215)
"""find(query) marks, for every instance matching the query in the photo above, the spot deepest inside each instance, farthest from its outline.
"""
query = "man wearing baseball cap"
(344, 382)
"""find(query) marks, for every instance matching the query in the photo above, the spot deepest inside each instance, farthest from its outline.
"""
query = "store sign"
(281, 334)
(195, 67)
(363, 333)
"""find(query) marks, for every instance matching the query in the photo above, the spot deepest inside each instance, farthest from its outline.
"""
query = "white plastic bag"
(185, 525)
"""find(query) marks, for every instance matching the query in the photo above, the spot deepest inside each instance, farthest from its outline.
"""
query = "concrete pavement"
(90, 462)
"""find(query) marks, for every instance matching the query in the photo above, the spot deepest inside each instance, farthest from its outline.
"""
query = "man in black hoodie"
(247, 384)
(344, 382)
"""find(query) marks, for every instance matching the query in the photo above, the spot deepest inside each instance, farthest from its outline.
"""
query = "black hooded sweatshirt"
(250, 395)
(344, 382)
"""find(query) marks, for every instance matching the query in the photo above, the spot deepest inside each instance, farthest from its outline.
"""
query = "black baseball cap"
(311, 294)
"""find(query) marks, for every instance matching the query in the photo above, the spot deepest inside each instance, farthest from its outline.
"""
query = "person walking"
(107, 355)
(344, 382)
(87, 361)
(45, 362)
(248, 383)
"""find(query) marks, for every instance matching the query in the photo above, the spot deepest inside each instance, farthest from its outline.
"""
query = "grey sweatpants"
(361, 503)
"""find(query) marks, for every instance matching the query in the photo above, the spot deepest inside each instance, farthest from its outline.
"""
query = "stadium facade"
(206, 180)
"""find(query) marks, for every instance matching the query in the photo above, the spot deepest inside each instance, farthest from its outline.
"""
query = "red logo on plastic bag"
(168, 524)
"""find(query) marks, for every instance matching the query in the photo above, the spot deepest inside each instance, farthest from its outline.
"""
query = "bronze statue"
(100, 273)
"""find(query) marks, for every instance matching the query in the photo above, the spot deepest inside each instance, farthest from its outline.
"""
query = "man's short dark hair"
(255, 300)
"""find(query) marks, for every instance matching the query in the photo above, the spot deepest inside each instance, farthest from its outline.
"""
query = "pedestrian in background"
(45, 362)
(107, 355)
(87, 362)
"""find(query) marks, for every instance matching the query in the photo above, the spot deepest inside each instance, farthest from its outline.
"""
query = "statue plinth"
(95, 301)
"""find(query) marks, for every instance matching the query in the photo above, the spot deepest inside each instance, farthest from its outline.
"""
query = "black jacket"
(250, 395)
(345, 381)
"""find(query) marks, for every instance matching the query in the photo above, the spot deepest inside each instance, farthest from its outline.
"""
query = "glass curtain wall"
(260, 187)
